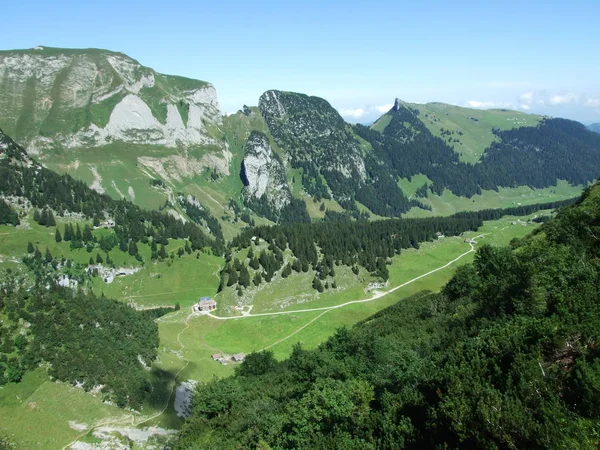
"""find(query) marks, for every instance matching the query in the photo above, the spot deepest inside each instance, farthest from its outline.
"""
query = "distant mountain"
(595, 127)
(160, 138)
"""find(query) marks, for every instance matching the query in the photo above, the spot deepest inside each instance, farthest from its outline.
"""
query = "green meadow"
(53, 411)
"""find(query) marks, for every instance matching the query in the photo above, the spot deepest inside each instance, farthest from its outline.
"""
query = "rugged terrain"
(133, 133)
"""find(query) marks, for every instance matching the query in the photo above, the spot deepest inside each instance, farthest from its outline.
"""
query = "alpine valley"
(344, 263)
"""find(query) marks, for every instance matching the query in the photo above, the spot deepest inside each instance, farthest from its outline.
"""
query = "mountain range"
(131, 132)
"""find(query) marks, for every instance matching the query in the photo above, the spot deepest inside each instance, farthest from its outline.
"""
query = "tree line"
(506, 356)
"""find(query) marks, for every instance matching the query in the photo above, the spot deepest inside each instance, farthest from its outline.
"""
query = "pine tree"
(91, 262)
(244, 278)
(99, 259)
(50, 220)
(297, 266)
(233, 277)
(36, 215)
(87, 233)
(48, 255)
(68, 234)
(57, 236)
(162, 253)
(133, 250)
(30, 248)
(257, 279)
(287, 271)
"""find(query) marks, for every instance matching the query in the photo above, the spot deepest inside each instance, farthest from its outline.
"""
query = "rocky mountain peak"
(66, 98)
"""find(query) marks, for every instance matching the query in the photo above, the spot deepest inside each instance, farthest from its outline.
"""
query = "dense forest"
(506, 356)
(526, 156)
(22, 177)
(81, 338)
(323, 245)
(321, 144)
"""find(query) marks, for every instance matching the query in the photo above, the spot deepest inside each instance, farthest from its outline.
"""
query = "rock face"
(54, 98)
(263, 173)
(316, 139)
(312, 130)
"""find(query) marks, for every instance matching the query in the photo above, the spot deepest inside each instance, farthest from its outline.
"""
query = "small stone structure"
(205, 304)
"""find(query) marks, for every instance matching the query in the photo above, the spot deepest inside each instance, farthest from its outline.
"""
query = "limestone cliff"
(263, 173)
(60, 98)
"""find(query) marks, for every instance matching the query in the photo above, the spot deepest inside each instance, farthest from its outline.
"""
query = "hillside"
(504, 357)
(595, 127)
(131, 132)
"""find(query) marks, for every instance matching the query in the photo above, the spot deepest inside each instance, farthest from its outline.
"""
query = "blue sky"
(538, 56)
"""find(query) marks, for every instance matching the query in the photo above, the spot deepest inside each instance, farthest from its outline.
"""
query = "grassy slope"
(35, 413)
(476, 125)
(183, 280)
(448, 203)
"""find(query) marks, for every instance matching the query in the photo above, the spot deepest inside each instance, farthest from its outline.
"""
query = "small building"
(240, 357)
(108, 224)
(205, 304)
(470, 241)
(216, 356)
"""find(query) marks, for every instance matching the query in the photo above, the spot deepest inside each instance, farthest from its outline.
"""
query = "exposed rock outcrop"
(89, 98)
(263, 173)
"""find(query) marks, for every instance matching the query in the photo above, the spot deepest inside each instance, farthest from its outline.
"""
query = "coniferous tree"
(233, 276)
(57, 236)
(30, 248)
(50, 220)
(244, 278)
(87, 233)
(162, 253)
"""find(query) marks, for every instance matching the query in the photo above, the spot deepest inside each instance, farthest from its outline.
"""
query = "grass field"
(476, 125)
(36, 413)
(448, 203)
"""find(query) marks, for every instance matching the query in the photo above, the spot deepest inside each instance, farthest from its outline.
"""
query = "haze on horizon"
(537, 57)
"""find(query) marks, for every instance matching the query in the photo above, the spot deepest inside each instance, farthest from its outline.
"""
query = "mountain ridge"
(149, 128)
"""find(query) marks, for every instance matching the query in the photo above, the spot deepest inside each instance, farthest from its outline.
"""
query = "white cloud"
(384, 108)
(487, 104)
(369, 112)
(564, 99)
(478, 104)
(526, 99)
(593, 102)
(356, 113)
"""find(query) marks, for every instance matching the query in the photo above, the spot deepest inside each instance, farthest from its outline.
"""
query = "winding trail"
(377, 295)
(295, 332)
(130, 419)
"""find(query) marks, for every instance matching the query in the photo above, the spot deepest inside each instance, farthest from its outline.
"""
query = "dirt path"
(376, 296)
(131, 418)
(295, 332)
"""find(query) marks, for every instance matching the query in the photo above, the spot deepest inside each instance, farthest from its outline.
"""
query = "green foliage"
(505, 357)
(83, 338)
(8, 215)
